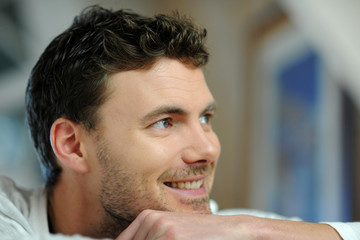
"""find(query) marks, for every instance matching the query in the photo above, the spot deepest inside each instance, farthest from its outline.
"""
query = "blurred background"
(285, 76)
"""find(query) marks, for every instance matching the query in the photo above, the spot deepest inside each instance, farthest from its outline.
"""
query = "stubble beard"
(122, 201)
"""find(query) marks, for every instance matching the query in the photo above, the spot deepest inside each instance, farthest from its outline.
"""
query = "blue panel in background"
(298, 97)
(300, 79)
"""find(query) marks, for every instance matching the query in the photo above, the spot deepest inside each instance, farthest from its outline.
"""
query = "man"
(120, 115)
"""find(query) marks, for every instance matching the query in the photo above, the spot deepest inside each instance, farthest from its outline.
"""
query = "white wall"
(333, 27)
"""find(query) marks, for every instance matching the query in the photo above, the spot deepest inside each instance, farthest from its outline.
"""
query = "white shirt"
(23, 215)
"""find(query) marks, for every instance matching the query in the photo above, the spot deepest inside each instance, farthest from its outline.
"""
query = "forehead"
(167, 81)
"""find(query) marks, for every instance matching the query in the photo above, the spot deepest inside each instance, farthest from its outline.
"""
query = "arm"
(165, 225)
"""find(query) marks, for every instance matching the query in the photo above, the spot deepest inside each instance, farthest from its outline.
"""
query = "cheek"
(146, 158)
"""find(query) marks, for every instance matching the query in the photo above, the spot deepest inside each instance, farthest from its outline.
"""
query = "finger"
(133, 228)
(151, 226)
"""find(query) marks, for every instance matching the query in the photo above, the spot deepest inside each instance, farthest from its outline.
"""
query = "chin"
(200, 206)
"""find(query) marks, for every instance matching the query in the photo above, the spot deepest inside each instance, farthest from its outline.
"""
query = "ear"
(65, 136)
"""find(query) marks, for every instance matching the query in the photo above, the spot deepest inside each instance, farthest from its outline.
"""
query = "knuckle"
(172, 233)
(146, 212)
(153, 217)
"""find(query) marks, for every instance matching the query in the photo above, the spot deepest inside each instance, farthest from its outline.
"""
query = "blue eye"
(164, 123)
(205, 119)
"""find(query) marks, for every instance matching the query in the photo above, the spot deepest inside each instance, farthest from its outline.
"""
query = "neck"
(50, 212)
(73, 208)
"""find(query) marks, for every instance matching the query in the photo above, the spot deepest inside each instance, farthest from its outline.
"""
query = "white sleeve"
(14, 226)
(11, 219)
(255, 213)
(348, 231)
(14, 216)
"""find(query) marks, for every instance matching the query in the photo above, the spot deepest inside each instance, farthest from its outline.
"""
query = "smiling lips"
(186, 185)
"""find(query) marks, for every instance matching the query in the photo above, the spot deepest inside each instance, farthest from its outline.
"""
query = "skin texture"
(164, 225)
(154, 131)
(153, 135)
(141, 149)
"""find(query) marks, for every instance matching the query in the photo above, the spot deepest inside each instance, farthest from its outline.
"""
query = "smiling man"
(120, 115)
(119, 111)
(152, 148)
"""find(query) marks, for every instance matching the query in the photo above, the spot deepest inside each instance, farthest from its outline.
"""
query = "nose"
(201, 146)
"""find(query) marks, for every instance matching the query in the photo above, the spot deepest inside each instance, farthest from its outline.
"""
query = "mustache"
(189, 171)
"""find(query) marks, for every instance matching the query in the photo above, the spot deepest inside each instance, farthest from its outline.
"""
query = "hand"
(152, 224)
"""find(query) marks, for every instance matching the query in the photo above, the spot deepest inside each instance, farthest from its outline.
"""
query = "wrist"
(255, 228)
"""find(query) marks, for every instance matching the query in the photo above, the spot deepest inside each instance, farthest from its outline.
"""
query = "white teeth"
(186, 185)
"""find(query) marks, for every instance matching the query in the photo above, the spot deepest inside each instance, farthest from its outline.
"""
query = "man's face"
(154, 144)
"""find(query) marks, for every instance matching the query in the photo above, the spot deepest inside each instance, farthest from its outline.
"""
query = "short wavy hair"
(69, 79)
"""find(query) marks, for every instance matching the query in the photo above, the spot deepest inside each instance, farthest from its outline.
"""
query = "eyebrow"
(170, 109)
(211, 107)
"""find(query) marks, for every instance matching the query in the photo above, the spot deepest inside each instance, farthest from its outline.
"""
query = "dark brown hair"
(69, 79)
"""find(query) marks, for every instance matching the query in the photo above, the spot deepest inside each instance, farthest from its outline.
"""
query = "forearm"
(260, 228)
(151, 224)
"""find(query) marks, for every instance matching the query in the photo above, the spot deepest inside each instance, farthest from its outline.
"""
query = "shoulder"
(256, 213)
(9, 188)
(14, 207)
(245, 211)
(9, 192)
